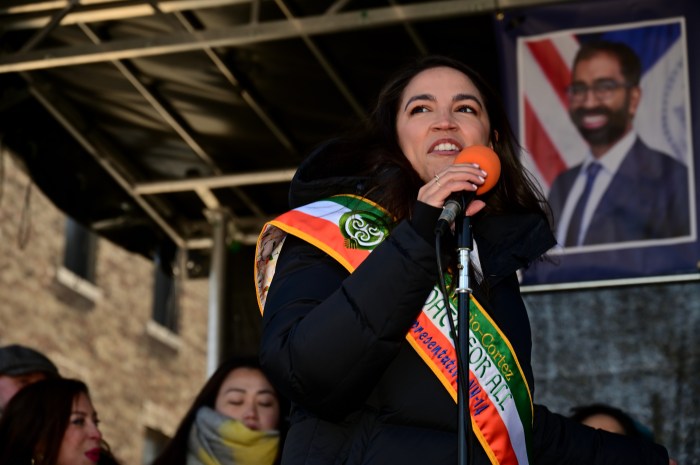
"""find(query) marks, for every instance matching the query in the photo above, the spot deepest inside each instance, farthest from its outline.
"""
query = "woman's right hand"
(455, 178)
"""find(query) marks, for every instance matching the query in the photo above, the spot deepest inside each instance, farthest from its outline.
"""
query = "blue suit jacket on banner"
(646, 199)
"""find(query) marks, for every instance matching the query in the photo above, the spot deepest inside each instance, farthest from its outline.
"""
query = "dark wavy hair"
(35, 420)
(630, 64)
(629, 425)
(175, 452)
(394, 184)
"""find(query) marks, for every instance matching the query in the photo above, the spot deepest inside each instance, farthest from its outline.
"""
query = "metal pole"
(218, 219)
(464, 248)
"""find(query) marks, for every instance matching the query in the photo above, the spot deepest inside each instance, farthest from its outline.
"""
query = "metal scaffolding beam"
(248, 34)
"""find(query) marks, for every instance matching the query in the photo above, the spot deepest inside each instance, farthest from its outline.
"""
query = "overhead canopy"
(136, 118)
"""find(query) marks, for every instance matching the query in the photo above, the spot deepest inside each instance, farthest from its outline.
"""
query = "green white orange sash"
(348, 228)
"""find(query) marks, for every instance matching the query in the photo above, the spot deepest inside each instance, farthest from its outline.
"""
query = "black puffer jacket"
(334, 343)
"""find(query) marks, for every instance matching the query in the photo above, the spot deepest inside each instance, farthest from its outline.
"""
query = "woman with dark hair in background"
(234, 420)
(354, 325)
(609, 418)
(51, 422)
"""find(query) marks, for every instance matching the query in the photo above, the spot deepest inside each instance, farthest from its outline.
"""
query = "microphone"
(458, 201)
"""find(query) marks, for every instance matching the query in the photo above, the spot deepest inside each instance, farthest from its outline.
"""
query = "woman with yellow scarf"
(234, 420)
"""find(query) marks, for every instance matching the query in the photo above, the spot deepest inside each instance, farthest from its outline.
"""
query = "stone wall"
(137, 378)
(634, 347)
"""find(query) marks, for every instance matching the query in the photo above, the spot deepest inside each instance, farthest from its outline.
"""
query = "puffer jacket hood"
(324, 173)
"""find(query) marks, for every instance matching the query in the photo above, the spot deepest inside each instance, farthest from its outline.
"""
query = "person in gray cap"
(20, 366)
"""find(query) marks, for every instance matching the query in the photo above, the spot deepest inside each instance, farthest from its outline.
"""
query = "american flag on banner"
(551, 141)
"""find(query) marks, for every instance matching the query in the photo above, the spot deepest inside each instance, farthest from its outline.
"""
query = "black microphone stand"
(464, 248)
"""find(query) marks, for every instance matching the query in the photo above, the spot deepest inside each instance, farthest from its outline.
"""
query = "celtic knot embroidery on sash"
(363, 230)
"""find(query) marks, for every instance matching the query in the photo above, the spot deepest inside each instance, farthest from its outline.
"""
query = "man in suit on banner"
(623, 190)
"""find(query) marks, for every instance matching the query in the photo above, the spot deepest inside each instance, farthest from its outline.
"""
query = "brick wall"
(136, 380)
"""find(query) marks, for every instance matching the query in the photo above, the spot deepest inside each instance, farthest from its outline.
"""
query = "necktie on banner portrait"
(573, 237)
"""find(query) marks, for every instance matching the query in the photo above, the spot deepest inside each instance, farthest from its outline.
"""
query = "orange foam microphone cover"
(487, 161)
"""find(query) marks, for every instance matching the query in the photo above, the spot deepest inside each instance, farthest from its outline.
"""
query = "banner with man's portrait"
(603, 106)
